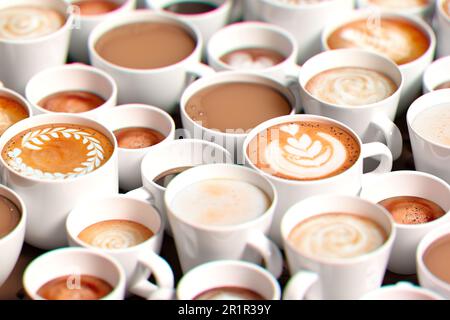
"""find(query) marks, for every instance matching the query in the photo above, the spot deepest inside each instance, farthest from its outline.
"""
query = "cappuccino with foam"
(229, 293)
(434, 124)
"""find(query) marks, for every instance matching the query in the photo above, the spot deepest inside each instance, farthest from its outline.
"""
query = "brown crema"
(9, 216)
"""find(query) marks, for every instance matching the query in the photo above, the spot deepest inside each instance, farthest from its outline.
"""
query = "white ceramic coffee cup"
(429, 156)
(86, 23)
(183, 153)
(200, 243)
(228, 273)
(425, 12)
(347, 183)
(426, 278)
(8, 93)
(255, 35)
(135, 115)
(233, 139)
(50, 201)
(412, 71)
(401, 291)
(74, 262)
(72, 77)
(436, 74)
(23, 58)
(372, 122)
(318, 278)
(443, 29)
(11, 244)
(304, 21)
(161, 87)
(416, 184)
(207, 23)
(140, 261)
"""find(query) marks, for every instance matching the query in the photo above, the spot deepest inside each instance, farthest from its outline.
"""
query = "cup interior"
(14, 198)
(401, 291)
(7, 93)
(161, 4)
(436, 74)
(120, 3)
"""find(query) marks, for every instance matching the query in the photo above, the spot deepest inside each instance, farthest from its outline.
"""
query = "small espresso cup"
(437, 75)
(207, 22)
(72, 77)
(421, 9)
(401, 291)
(198, 242)
(255, 35)
(228, 274)
(138, 260)
(164, 161)
(290, 191)
(317, 277)
(11, 243)
(74, 263)
(430, 155)
(137, 116)
(427, 278)
(49, 196)
(161, 87)
(371, 121)
(85, 23)
(23, 58)
(443, 18)
(15, 97)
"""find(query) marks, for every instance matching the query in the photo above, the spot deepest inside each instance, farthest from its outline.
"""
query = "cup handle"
(142, 194)
(269, 252)
(200, 70)
(391, 133)
(377, 149)
(160, 269)
(298, 285)
(291, 73)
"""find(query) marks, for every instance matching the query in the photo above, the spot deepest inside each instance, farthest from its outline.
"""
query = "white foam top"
(434, 124)
(220, 202)
(242, 60)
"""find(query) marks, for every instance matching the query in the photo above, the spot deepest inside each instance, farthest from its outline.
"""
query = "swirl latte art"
(351, 86)
(29, 22)
(337, 236)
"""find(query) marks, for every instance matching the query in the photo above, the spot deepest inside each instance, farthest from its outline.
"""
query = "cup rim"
(374, 55)
(136, 16)
(69, 20)
(123, 197)
(23, 214)
(402, 285)
(407, 11)
(121, 273)
(335, 261)
(225, 5)
(82, 119)
(440, 10)
(70, 67)
(290, 118)
(23, 101)
(289, 6)
(92, 17)
(226, 228)
(429, 72)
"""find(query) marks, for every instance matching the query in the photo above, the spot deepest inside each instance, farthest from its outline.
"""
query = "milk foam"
(29, 22)
(434, 124)
(351, 86)
(403, 4)
(220, 202)
(336, 236)
(246, 61)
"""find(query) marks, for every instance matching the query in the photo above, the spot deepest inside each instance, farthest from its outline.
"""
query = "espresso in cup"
(412, 210)
(236, 106)
(95, 7)
(29, 22)
(191, 7)
(351, 86)
(433, 124)
(10, 216)
(398, 39)
(146, 45)
(72, 101)
(445, 85)
(11, 111)
(138, 137)
(57, 151)
(75, 287)
(437, 258)
(304, 150)
(229, 293)
(253, 58)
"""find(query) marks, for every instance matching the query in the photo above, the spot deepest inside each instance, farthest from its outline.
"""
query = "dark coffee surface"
(9, 216)
(445, 85)
(190, 7)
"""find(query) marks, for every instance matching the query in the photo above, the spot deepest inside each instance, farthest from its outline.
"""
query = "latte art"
(29, 22)
(337, 236)
(351, 86)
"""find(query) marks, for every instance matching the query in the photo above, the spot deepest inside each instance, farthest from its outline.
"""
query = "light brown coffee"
(412, 210)
(236, 106)
(253, 58)
(71, 101)
(11, 112)
(229, 293)
(10, 216)
(447, 7)
(398, 39)
(437, 258)
(165, 177)
(57, 151)
(445, 85)
(304, 150)
(402, 4)
(138, 137)
(75, 287)
(95, 7)
(145, 45)
(115, 234)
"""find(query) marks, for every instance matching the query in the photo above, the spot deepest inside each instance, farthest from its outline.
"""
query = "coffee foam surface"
(337, 236)
(434, 124)
(351, 86)
(229, 293)
(11, 112)
(400, 4)
(302, 2)
(220, 202)
(29, 22)
(245, 60)
(9, 216)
